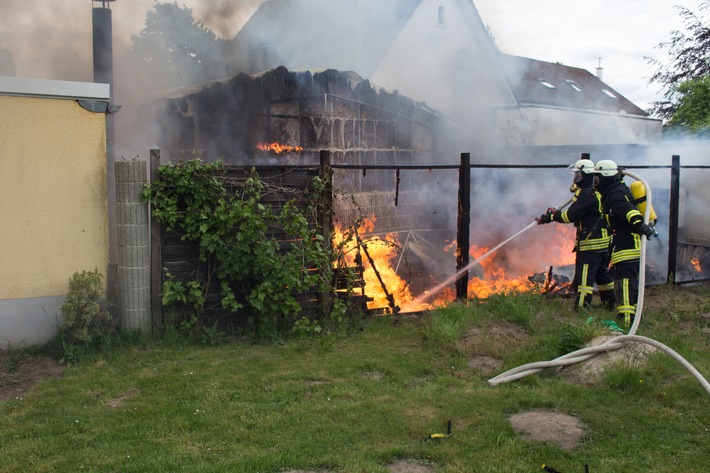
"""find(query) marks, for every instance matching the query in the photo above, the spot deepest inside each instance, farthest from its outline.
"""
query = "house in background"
(439, 52)
(53, 203)
(563, 107)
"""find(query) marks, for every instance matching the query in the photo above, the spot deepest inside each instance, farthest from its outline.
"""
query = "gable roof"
(542, 83)
(319, 34)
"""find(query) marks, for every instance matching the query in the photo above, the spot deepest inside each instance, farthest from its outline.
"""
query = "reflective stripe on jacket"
(623, 217)
(585, 213)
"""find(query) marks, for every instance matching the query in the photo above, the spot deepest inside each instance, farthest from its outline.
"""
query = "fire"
(494, 274)
(494, 280)
(279, 148)
(381, 279)
(696, 264)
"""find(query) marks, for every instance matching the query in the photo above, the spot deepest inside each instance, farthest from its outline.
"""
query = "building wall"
(53, 209)
(538, 126)
(444, 57)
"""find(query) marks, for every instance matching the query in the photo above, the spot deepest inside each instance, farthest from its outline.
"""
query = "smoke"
(225, 17)
(53, 40)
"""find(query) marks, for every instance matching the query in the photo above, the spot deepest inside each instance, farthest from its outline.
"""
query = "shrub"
(87, 319)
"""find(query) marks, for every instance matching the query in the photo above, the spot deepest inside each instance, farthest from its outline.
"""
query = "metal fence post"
(463, 225)
(326, 213)
(673, 218)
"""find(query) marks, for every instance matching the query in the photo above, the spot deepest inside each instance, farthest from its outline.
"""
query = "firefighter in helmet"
(627, 225)
(591, 241)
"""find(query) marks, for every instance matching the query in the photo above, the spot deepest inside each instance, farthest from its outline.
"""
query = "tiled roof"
(543, 83)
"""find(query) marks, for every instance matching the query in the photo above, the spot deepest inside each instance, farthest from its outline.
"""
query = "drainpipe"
(102, 35)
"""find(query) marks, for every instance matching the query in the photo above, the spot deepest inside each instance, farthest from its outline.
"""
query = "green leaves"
(87, 319)
(234, 234)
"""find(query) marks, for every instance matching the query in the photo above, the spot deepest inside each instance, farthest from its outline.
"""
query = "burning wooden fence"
(181, 258)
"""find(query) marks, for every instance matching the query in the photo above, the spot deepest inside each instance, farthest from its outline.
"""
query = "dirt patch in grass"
(485, 364)
(376, 375)
(496, 334)
(19, 371)
(118, 400)
(591, 371)
(549, 426)
(484, 344)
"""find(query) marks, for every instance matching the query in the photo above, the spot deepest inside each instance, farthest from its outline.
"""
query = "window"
(609, 93)
(574, 85)
(546, 84)
(441, 19)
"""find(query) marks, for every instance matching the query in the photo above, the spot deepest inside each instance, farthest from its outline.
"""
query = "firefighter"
(627, 225)
(591, 241)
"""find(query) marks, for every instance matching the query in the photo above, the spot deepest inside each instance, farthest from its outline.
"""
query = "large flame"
(381, 279)
(493, 275)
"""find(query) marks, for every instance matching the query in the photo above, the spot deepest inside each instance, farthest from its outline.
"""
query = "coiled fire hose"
(615, 343)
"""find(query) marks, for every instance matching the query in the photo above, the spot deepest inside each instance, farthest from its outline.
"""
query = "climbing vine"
(232, 225)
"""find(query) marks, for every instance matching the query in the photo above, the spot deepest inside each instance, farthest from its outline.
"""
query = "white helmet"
(606, 168)
(585, 166)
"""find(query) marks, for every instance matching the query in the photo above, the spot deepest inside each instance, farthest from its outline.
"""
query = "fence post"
(326, 214)
(463, 225)
(673, 218)
(156, 266)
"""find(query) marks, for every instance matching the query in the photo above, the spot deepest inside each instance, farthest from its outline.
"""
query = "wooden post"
(463, 225)
(673, 219)
(156, 266)
(326, 216)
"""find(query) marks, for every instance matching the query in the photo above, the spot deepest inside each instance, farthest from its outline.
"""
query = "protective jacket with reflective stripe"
(623, 218)
(585, 213)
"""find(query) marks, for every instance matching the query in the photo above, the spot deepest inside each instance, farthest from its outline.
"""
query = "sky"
(618, 34)
(52, 40)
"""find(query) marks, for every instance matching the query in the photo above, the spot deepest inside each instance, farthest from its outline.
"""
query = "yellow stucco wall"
(53, 204)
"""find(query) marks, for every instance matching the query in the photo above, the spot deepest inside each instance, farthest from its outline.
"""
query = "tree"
(689, 53)
(175, 48)
(693, 114)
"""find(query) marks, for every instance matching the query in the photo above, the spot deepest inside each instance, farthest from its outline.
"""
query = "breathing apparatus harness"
(617, 342)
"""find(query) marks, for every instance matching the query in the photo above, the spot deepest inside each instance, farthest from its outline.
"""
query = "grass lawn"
(369, 400)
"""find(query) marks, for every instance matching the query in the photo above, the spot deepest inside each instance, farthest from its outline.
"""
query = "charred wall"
(331, 110)
(360, 124)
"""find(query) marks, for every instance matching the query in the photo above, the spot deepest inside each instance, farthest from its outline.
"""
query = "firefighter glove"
(546, 217)
(643, 229)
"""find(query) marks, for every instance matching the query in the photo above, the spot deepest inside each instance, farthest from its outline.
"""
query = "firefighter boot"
(608, 300)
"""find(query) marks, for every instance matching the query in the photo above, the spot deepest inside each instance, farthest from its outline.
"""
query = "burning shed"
(289, 117)
(236, 119)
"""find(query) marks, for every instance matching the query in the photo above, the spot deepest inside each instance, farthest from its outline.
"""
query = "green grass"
(361, 401)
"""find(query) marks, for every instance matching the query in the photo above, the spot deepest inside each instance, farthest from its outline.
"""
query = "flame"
(383, 251)
(278, 148)
(696, 264)
(495, 279)
(493, 275)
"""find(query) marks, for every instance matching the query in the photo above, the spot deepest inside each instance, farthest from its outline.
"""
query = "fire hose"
(436, 289)
(615, 343)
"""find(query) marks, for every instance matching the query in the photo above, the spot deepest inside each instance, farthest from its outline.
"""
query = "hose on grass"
(615, 343)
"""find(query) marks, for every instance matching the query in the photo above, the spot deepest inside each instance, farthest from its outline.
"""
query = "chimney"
(600, 70)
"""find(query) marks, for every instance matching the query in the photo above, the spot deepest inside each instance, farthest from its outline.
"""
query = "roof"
(542, 83)
(57, 89)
